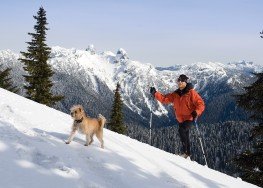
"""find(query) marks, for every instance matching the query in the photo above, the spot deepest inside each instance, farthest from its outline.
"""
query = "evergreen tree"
(5, 80)
(250, 162)
(39, 75)
(116, 123)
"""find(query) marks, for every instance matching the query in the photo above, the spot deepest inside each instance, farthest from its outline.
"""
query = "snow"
(33, 154)
(135, 78)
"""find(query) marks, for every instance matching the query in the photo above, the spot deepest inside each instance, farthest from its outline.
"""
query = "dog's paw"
(67, 142)
(86, 145)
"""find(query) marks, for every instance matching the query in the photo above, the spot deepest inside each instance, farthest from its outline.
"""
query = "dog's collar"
(79, 120)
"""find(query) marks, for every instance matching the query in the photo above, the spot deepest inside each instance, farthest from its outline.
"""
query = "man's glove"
(152, 90)
(194, 114)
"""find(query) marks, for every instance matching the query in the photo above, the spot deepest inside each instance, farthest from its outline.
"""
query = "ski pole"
(199, 136)
(150, 139)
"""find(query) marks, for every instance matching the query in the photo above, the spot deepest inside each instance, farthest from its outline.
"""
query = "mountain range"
(89, 78)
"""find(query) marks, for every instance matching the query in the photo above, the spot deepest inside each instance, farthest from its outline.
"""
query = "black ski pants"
(184, 129)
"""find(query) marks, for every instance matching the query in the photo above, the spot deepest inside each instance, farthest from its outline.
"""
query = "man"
(188, 105)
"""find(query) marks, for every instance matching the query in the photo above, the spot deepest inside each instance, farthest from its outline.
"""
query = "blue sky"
(160, 32)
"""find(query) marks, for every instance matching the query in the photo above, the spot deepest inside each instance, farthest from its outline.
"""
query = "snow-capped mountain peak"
(99, 73)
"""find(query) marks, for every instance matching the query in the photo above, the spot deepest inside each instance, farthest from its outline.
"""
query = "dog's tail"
(102, 121)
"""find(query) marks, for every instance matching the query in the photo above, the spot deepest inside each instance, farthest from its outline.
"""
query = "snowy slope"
(33, 154)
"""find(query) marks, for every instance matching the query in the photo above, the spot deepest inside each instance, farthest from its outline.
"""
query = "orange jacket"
(184, 102)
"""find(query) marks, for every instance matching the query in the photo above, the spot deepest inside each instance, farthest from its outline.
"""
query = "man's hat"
(182, 78)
